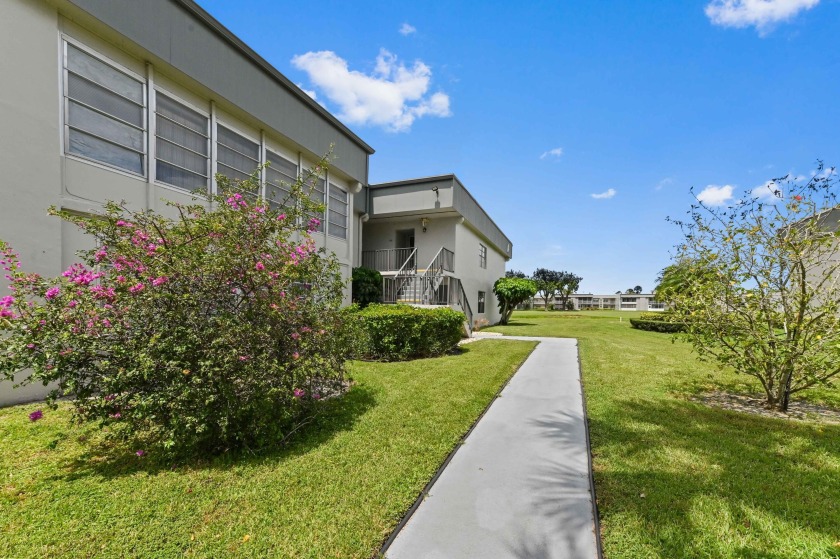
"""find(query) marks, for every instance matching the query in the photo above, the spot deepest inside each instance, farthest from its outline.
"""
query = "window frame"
(66, 41)
(329, 210)
(236, 130)
(481, 302)
(203, 112)
(482, 256)
(276, 153)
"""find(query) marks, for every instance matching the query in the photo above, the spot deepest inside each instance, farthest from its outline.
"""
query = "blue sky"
(539, 106)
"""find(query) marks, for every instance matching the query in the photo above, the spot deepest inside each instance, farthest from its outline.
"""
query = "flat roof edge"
(230, 37)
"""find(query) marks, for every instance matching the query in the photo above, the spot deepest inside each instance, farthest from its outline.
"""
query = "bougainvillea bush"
(215, 330)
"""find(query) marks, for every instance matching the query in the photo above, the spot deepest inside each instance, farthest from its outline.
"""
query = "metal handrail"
(386, 260)
(443, 261)
(464, 303)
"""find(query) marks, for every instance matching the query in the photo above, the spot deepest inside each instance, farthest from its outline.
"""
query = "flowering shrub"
(213, 330)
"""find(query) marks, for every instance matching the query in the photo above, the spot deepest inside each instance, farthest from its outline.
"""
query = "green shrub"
(400, 332)
(367, 286)
(211, 331)
(659, 316)
(657, 326)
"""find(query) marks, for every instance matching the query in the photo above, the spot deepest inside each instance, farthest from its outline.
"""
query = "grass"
(676, 479)
(337, 490)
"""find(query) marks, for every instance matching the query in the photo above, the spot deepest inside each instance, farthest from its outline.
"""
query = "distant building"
(613, 302)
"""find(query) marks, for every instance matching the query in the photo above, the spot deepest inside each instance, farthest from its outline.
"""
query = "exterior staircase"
(435, 285)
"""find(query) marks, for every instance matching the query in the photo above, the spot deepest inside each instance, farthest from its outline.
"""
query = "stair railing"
(443, 261)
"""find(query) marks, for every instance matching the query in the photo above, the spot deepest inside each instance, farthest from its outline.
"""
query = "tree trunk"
(781, 399)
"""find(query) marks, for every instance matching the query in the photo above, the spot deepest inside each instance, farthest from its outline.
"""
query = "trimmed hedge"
(401, 332)
(657, 326)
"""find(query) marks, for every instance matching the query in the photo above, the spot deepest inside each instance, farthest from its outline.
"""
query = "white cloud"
(715, 195)
(767, 192)
(309, 92)
(393, 96)
(407, 29)
(663, 183)
(553, 153)
(605, 195)
(761, 14)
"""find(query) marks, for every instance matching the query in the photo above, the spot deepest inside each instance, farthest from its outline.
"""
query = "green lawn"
(337, 490)
(676, 479)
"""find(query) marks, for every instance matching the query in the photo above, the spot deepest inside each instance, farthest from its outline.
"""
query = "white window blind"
(337, 212)
(104, 112)
(280, 175)
(238, 156)
(182, 145)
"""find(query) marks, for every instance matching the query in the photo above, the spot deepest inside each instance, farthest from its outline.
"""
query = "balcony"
(386, 260)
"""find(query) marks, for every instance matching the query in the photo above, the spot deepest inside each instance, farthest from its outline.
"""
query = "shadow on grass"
(110, 460)
(711, 478)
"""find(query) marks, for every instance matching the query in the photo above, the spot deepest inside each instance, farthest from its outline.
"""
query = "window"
(481, 302)
(279, 176)
(337, 212)
(316, 188)
(482, 256)
(105, 112)
(237, 156)
(182, 145)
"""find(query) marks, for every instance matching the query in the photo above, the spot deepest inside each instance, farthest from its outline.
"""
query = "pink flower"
(72, 304)
(51, 292)
(36, 415)
(159, 281)
(298, 393)
(295, 335)
(296, 355)
(117, 415)
(7, 301)
(281, 217)
(243, 358)
(140, 453)
(797, 198)
(260, 266)
(136, 288)
(121, 223)
(121, 279)
(316, 396)
(30, 346)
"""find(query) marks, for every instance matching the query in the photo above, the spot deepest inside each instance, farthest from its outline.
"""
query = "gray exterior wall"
(182, 35)
(416, 197)
(475, 278)
(38, 174)
(454, 220)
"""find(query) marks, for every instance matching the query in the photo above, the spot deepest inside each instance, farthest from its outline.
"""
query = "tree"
(569, 283)
(548, 284)
(213, 330)
(515, 274)
(758, 284)
(679, 280)
(637, 290)
(511, 292)
(367, 286)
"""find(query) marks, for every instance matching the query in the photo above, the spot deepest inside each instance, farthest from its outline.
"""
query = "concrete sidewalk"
(519, 486)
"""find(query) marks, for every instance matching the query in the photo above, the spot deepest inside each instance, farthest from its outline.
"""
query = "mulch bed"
(754, 404)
